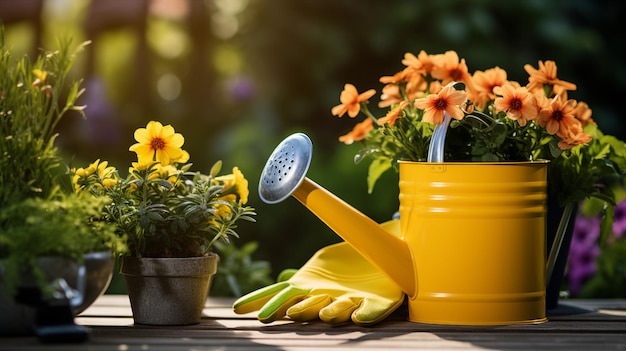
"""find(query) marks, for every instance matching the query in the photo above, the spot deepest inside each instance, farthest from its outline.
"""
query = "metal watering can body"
(472, 243)
(476, 232)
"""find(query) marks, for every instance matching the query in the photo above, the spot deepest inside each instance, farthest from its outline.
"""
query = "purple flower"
(619, 225)
(583, 252)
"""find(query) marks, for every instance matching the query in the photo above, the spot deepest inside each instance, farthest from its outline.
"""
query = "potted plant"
(170, 217)
(41, 218)
(490, 119)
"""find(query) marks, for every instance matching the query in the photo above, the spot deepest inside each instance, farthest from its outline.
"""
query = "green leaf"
(216, 168)
(376, 169)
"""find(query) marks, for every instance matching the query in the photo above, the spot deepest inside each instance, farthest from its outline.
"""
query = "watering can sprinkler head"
(284, 175)
(286, 168)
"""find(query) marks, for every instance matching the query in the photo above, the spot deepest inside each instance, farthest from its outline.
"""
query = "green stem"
(367, 112)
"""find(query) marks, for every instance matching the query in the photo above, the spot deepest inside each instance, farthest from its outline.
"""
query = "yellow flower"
(158, 143)
(169, 172)
(106, 176)
(237, 180)
(222, 212)
(109, 182)
(242, 185)
(40, 77)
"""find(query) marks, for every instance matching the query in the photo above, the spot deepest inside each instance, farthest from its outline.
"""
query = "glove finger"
(309, 308)
(339, 311)
(373, 310)
(286, 274)
(255, 300)
(277, 306)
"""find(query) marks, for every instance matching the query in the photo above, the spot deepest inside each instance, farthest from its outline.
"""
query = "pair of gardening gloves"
(335, 285)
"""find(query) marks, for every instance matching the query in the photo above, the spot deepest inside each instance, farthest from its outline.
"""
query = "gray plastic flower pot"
(168, 291)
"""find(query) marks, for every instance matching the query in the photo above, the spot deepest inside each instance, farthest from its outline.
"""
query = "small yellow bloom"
(169, 172)
(158, 143)
(237, 180)
(40, 77)
(223, 211)
(80, 172)
(184, 157)
(109, 182)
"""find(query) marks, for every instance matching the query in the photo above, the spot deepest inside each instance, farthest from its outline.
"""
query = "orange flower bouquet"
(162, 208)
(490, 119)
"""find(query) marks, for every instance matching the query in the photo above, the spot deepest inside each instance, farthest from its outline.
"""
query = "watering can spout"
(284, 175)
(383, 249)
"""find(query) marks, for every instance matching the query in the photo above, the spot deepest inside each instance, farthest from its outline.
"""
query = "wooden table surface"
(574, 325)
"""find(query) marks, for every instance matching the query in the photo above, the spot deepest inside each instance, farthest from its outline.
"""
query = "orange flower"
(546, 75)
(576, 137)
(359, 132)
(351, 101)
(582, 112)
(559, 117)
(396, 78)
(421, 65)
(393, 114)
(517, 102)
(390, 95)
(447, 100)
(484, 83)
(448, 69)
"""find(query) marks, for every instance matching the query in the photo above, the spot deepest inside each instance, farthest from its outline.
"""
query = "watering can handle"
(438, 140)
(558, 240)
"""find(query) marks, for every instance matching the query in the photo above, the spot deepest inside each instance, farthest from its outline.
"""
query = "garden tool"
(335, 285)
(462, 226)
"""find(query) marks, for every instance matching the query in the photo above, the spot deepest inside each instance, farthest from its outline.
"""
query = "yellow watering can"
(472, 245)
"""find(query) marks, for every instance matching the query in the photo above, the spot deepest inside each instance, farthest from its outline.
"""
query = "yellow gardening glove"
(335, 285)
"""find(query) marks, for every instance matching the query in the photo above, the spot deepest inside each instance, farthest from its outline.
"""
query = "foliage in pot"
(67, 226)
(163, 209)
(41, 216)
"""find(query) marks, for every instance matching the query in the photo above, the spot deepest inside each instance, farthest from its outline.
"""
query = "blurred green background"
(237, 76)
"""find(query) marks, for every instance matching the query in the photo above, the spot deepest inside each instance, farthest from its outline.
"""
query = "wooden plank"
(577, 325)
